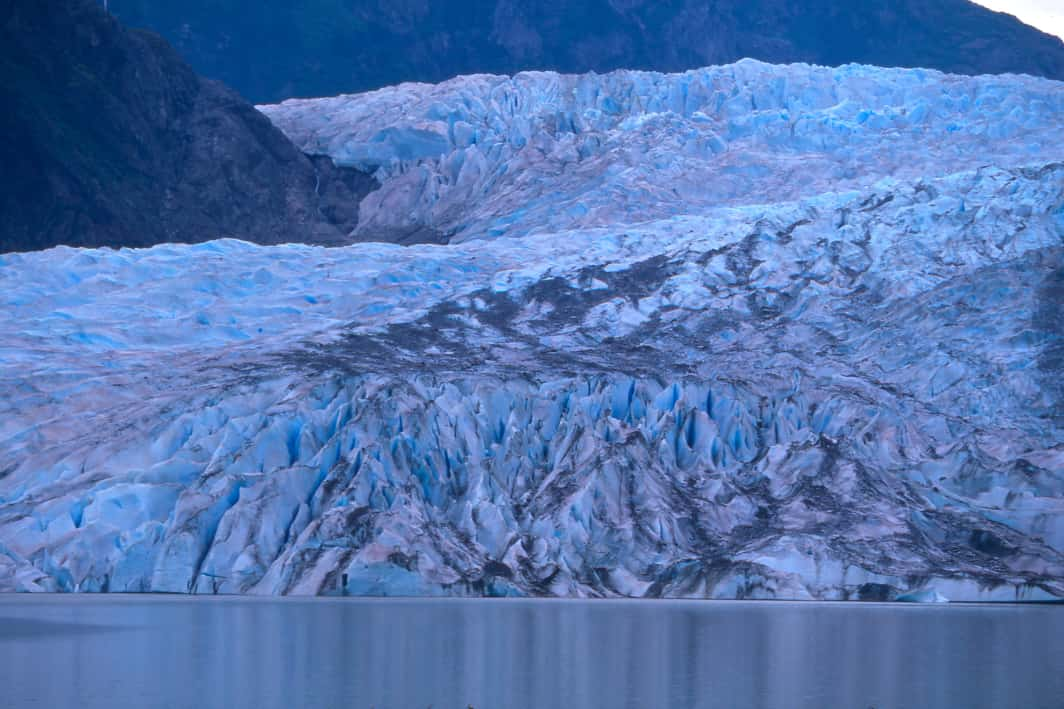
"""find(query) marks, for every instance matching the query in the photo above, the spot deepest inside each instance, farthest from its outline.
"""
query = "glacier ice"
(538, 152)
(923, 595)
(750, 331)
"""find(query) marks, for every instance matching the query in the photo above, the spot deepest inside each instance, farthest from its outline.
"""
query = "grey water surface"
(134, 651)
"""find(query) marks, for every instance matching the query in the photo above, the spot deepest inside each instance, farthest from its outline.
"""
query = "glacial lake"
(134, 651)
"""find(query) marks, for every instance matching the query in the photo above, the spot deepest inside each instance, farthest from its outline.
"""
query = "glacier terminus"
(749, 331)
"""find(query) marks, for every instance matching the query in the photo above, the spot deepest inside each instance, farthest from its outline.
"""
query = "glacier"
(487, 156)
(750, 331)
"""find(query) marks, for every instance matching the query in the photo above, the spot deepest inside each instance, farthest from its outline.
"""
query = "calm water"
(172, 652)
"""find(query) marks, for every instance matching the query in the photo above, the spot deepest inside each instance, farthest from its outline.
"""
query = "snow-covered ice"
(750, 331)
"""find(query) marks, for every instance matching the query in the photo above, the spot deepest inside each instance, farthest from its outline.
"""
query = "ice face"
(850, 393)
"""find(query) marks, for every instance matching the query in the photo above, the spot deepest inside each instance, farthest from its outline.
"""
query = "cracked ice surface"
(807, 390)
(492, 155)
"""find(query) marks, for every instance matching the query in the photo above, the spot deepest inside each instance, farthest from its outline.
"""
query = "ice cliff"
(750, 331)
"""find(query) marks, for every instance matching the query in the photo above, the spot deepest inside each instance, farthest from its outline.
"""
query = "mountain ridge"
(109, 138)
(285, 50)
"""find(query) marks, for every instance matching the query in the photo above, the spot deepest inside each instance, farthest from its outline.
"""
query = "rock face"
(835, 375)
(284, 49)
(108, 138)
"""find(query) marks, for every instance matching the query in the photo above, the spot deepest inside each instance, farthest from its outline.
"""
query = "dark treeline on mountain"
(108, 138)
(274, 49)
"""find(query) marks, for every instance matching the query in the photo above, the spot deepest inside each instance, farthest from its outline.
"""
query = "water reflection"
(513, 654)
(32, 628)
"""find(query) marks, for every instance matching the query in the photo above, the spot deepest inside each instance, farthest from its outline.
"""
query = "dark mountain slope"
(276, 49)
(107, 137)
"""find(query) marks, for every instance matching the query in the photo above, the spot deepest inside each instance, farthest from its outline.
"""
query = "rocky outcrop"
(108, 138)
(284, 49)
